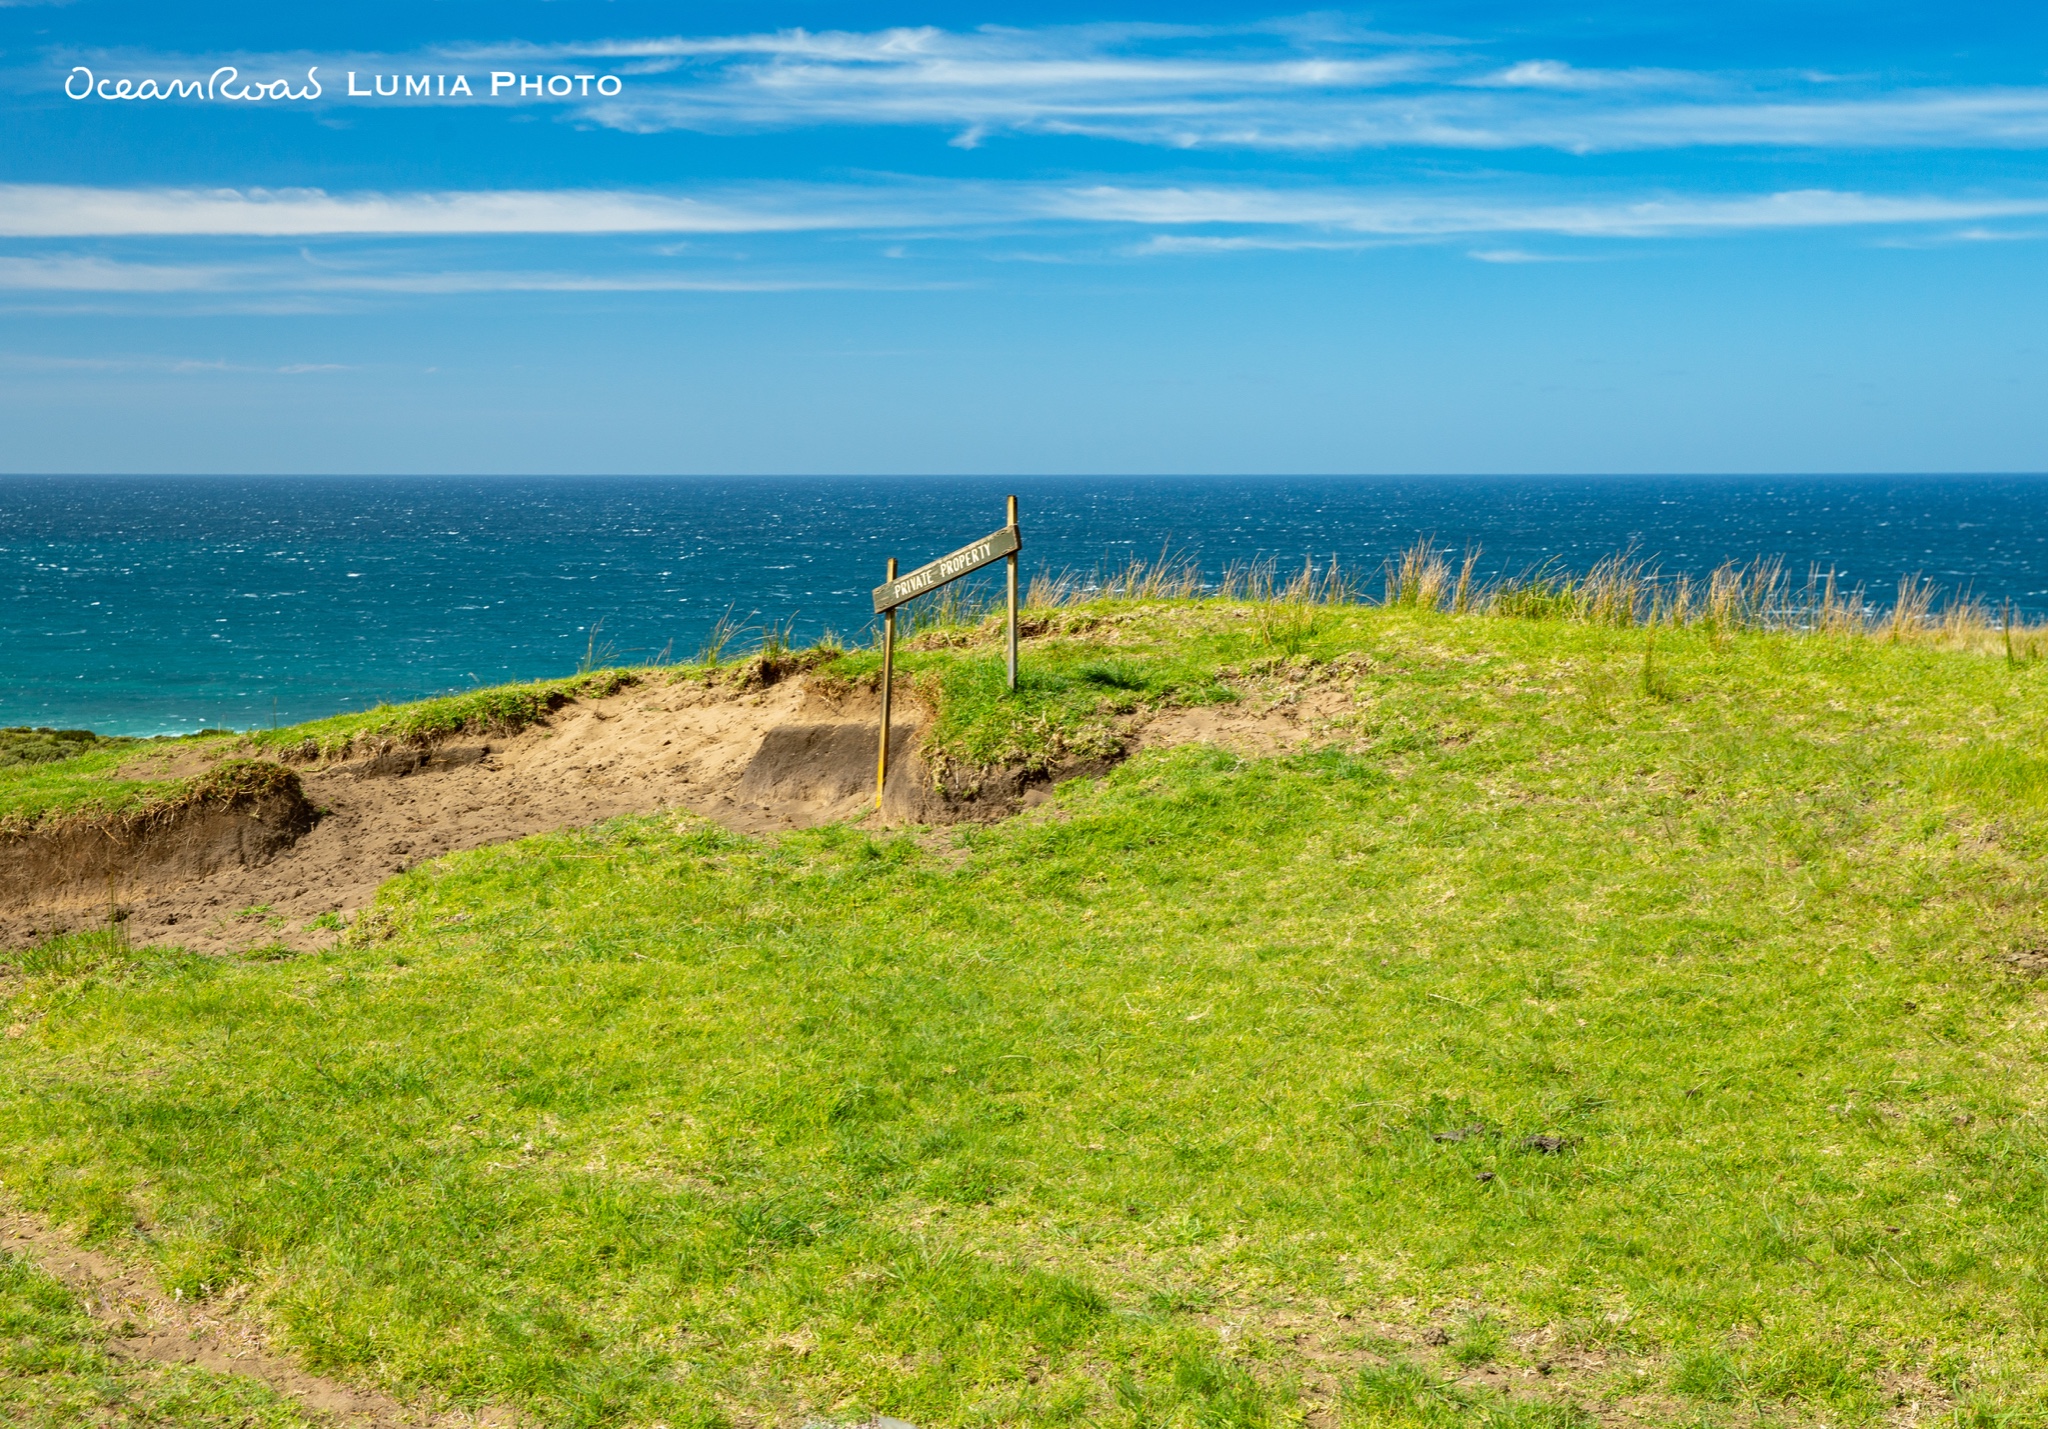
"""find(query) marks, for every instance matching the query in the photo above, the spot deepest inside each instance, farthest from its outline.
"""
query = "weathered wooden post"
(888, 673)
(894, 592)
(1016, 545)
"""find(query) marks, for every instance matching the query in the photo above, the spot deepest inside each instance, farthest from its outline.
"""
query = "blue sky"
(1054, 238)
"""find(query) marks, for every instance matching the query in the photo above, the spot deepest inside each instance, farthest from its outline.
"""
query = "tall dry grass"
(1621, 590)
(1176, 576)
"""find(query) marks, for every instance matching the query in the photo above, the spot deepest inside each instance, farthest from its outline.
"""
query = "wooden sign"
(968, 559)
(996, 546)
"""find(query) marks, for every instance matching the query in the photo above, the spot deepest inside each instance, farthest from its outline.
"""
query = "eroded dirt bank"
(779, 757)
(796, 753)
(242, 813)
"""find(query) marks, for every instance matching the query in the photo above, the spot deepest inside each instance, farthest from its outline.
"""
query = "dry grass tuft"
(1620, 591)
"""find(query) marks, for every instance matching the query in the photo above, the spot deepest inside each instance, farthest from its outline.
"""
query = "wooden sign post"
(896, 590)
(1012, 642)
(888, 669)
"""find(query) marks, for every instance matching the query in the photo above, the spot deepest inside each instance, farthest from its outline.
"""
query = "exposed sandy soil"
(144, 1324)
(791, 755)
(87, 862)
(1252, 728)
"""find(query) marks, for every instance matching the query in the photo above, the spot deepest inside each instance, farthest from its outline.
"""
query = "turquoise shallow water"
(149, 605)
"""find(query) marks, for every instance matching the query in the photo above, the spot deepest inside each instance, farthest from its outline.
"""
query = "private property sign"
(895, 591)
(988, 549)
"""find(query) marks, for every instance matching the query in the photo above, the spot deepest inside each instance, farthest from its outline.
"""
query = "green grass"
(22, 745)
(84, 784)
(1404, 1395)
(55, 1372)
(95, 786)
(1123, 1112)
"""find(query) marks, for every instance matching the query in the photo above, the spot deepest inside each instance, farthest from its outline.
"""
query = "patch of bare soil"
(1278, 709)
(145, 1325)
(794, 754)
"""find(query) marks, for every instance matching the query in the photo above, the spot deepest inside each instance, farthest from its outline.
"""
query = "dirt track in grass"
(145, 1326)
(791, 755)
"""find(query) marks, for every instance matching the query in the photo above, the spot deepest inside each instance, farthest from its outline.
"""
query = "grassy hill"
(1591, 1024)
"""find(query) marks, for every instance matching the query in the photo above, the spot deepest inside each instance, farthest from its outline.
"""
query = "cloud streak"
(1446, 215)
(51, 211)
(57, 210)
(1284, 90)
(1292, 93)
(178, 366)
(75, 274)
(1338, 122)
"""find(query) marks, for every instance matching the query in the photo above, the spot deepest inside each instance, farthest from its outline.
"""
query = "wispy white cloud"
(1283, 90)
(1973, 234)
(1261, 215)
(54, 210)
(77, 273)
(251, 278)
(1556, 74)
(487, 281)
(176, 366)
(1520, 255)
(1169, 243)
(1445, 215)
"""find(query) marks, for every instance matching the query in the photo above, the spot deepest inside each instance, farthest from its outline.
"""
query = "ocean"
(147, 605)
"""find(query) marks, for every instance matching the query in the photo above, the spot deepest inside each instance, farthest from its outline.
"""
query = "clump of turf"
(238, 781)
(233, 783)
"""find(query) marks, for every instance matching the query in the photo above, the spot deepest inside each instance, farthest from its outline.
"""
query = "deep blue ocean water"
(149, 605)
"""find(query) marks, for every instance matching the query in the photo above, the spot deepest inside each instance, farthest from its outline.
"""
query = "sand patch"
(1252, 727)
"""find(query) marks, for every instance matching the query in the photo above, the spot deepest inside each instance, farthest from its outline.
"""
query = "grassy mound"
(22, 746)
(1594, 1024)
(91, 786)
